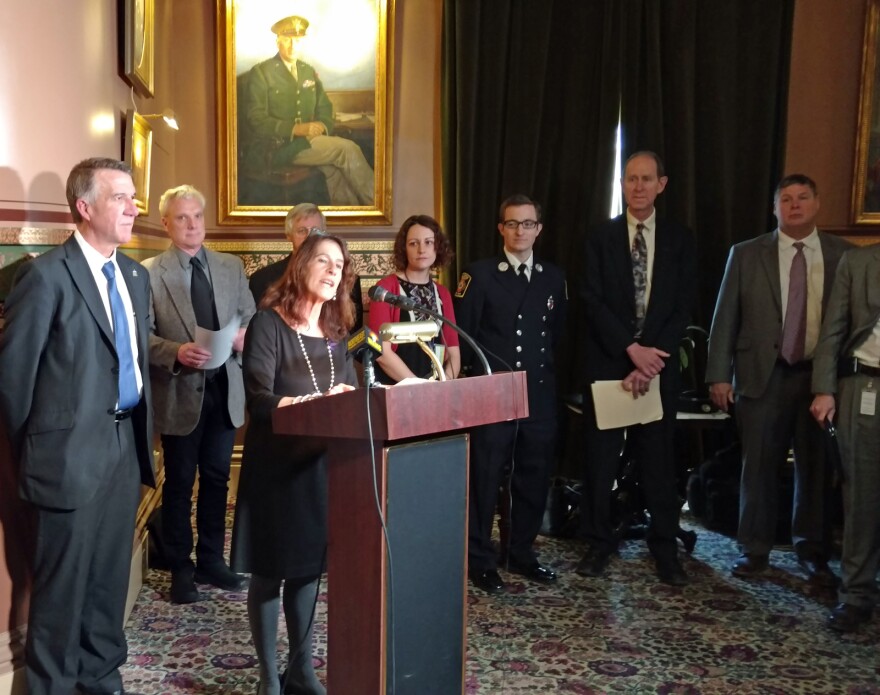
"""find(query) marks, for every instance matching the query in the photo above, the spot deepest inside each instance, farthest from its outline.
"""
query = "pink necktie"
(794, 331)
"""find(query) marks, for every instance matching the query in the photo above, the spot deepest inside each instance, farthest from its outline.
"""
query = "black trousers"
(526, 447)
(81, 566)
(208, 450)
(652, 447)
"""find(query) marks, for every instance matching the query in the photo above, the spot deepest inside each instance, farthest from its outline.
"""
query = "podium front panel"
(426, 510)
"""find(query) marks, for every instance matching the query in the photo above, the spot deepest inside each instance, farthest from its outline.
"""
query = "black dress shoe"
(671, 572)
(183, 588)
(488, 580)
(593, 563)
(748, 565)
(818, 572)
(848, 618)
(688, 540)
(220, 576)
(536, 571)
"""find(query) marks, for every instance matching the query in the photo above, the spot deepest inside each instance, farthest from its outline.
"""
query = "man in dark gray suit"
(197, 410)
(847, 364)
(76, 407)
(752, 363)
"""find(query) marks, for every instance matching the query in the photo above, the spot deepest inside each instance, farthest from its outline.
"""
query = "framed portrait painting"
(136, 152)
(866, 182)
(304, 109)
(139, 15)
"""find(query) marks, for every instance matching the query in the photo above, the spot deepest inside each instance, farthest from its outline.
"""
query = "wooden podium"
(397, 621)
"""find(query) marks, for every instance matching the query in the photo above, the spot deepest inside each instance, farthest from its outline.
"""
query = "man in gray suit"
(76, 407)
(197, 410)
(847, 364)
(764, 331)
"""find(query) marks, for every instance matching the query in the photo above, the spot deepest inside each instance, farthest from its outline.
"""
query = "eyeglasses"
(310, 231)
(513, 224)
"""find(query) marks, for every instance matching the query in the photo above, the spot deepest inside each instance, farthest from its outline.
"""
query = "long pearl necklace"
(309, 364)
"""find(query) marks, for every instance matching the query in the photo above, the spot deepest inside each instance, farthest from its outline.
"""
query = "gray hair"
(81, 181)
(297, 212)
(172, 194)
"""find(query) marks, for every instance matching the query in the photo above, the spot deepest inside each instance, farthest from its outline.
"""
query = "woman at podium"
(295, 350)
(419, 247)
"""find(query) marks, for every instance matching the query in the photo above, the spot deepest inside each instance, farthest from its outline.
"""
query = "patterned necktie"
(128, 389)
(523, 277)
(794, 330)
(202, 297)
(639, 254)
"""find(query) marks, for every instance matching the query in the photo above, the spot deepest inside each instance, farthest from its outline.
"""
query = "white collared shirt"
(96, 262)
(815, 282)
(650, 227)
(516, 263)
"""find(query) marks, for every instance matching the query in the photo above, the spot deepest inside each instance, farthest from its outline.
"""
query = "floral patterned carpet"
(626, 633)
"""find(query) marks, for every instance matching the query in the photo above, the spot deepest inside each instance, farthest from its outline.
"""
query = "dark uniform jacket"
(274, 102)
(518, 323)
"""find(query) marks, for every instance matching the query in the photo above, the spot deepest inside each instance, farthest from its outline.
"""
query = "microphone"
(365, 344)
(380, 294)
(364, 339)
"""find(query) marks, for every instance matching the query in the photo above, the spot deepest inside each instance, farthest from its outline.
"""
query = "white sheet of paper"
(617, 408)
(219, 343)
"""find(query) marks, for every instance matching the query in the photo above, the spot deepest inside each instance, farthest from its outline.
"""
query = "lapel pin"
(539, 268)
(503, 266)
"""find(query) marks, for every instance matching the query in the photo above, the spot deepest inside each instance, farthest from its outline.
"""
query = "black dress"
(280, 527)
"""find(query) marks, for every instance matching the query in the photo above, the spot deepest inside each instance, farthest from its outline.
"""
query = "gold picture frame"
(137, 154)
(866, 180)
(345, 55)
(139, 21)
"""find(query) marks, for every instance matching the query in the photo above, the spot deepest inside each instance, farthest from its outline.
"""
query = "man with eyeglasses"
(514, 306)
(301, 220)
(637, 284)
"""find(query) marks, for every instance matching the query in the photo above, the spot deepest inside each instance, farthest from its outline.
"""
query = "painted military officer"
(289, 119)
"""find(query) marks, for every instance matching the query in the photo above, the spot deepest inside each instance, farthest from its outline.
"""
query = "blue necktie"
(128, 390)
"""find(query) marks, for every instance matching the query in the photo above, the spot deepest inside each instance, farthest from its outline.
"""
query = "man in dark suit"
(76, 406)
(197, 410)
(775, 285)
(302, 220)
(847, 365)
(514, 306)
(638, 284)
(291, 120)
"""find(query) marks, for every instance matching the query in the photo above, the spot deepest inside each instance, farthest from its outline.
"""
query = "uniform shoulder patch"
(463, 283)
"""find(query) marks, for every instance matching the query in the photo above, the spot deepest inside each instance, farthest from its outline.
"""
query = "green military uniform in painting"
(288, 120)
(275, 102)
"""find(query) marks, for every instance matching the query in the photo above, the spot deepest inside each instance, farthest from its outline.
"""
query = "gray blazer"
(178, 390)
(747, 325)
(853, 311)
(58, 384)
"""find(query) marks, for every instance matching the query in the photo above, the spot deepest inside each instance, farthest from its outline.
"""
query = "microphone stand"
(440, 317)
(369, 370)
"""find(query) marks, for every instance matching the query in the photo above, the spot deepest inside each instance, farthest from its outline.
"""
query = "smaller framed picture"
(136, 153)
(139, 45)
